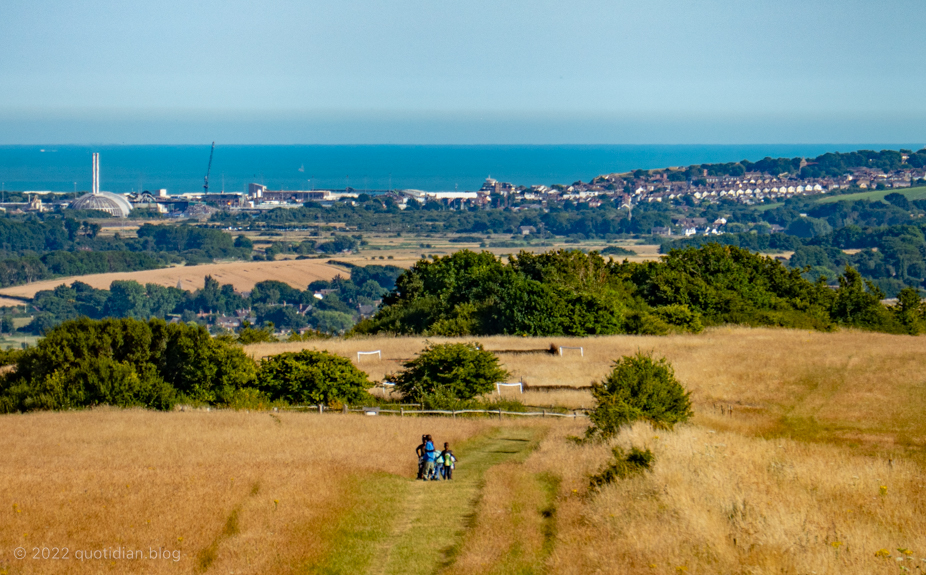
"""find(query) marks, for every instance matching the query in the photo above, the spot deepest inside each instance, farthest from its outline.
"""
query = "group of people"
(434, 465)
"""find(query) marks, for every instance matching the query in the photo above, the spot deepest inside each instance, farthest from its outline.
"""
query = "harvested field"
(242, 275)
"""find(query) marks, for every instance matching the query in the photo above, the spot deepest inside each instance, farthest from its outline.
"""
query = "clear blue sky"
(453, 71)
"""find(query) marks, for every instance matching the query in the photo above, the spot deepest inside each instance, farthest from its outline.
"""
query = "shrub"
(639, 387)
(312, 377)
(250, 334)
(617, 251)
(623, 466)
(126, 363)
(455, 370)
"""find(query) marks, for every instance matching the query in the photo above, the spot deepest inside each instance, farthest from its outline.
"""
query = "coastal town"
(765, 182)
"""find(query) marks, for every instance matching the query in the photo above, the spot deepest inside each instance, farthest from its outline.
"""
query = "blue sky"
(447, 71)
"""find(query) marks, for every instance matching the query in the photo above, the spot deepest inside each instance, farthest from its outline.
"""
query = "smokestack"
(96, 173)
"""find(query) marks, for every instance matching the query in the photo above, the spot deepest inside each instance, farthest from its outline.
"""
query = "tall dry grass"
(860, 387)
(231, 491)
(721, 502)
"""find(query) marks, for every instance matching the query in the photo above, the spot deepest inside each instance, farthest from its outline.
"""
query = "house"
(527, 230)
(227, 322)
(661, 231)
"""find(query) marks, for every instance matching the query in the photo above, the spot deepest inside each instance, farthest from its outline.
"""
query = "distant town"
(767, 181)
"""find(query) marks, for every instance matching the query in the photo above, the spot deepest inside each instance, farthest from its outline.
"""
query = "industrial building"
(113, 204)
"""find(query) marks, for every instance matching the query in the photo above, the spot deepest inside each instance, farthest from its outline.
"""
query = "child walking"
(449, 460)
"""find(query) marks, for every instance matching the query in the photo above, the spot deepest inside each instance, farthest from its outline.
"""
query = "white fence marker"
(377, 352)
(498, 386)
(581, 350)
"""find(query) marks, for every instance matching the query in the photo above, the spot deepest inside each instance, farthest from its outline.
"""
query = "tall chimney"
(96, 173)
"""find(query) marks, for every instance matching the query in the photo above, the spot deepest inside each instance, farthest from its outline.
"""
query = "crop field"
(242, 275)
(806, 454)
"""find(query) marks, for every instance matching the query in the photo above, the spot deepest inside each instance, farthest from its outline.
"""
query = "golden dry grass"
(806, 454)
(248, 492)
(865, 388)
(242, 275)
(721, 502)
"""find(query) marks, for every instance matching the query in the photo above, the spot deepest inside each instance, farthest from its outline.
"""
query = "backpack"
(429, 450)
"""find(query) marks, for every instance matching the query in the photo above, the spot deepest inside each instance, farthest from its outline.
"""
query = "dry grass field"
(242, 275)
(724, 502)
(231, 492)
(865, 388)
(806, 455)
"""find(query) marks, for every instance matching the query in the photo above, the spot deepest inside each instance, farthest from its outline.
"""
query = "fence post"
(453, 414)
(345, 409)
(544, 413)
(401, 412)
(321, 408)
(499, 413)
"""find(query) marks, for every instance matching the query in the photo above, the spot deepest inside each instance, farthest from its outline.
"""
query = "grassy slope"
(403, 526)
(867, 388)
(912, 193)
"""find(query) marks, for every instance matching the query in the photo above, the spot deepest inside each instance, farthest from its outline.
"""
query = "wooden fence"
(451, 412)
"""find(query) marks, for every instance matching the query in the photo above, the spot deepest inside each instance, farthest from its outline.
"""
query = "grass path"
(403, 526)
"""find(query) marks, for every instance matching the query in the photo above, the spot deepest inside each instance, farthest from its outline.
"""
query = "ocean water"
(181, 169)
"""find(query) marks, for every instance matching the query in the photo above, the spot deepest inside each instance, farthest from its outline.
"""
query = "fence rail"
(451, 412)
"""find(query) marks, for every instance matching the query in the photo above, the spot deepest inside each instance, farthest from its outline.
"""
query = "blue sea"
(181, 169)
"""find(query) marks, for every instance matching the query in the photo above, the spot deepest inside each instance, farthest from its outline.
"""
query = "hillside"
(806, 454)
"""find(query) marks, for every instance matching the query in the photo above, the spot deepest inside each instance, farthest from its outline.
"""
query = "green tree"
(245, 243)
(639, 387)
(312, 377)
(858, 304)
(127, 299)
(455, 370)
(200, 367)
(85, 362)
(910, 311)
(250, 334)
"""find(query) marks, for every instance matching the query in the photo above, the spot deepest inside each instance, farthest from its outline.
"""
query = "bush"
(250, 334)
(454, 370)
(639, 387)
(617, 251)
(312, 377)
(126, 363)
(623, 466)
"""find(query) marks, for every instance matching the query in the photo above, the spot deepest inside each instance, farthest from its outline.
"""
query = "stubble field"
(242, 275)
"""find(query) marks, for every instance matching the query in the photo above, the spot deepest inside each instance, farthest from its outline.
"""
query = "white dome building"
(113, 204)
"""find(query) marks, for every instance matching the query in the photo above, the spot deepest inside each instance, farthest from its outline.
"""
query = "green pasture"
(917, 193)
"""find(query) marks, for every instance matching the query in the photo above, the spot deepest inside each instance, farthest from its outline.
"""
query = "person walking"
(420, 452)
(429, 456)
(448, 460)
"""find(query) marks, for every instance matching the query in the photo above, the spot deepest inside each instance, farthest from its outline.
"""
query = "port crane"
(209, 169)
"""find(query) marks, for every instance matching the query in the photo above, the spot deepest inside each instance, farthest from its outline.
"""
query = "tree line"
(576, 294)
(892, 257)
(271, 302)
